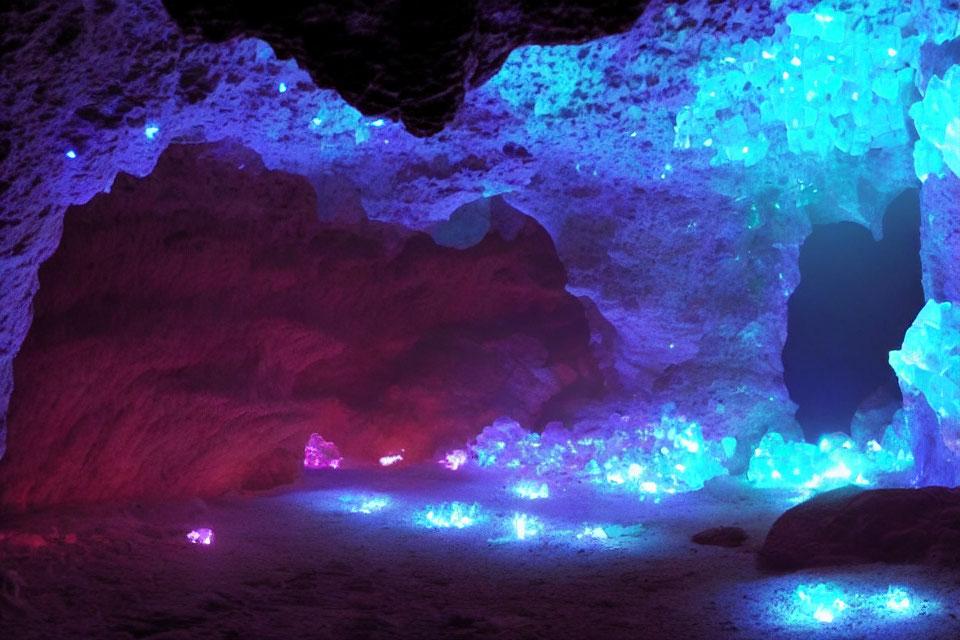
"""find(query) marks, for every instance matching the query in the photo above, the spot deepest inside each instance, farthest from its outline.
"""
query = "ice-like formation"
(530, 489)
(835, 462)
(594, 532)
(664, 457)
(453, 460)
(821, 602)
(526, 526)
(446, 515)
(831, 80)
(928, 366)
(937, 119)
(826, 602)
(320, 454)
(897, 599)
(201, 536)
(929, 362)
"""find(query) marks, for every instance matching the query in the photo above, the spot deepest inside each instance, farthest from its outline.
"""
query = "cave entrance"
(855, 300)
(196, 326)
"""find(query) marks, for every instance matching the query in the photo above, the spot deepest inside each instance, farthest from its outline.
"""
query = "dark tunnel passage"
(856, 298)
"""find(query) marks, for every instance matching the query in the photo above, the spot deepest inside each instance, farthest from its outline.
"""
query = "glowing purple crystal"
(393, 458)
(320, 454)
(201, 536)
(454, 459)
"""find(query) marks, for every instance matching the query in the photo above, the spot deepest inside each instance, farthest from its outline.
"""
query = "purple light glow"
(454, 459)
(393, 458)
(201, 536)
(320, 454)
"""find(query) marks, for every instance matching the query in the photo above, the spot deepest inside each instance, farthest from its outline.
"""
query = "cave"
(856, 299)
(505, 319)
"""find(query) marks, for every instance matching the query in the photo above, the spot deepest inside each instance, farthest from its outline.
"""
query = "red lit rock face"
(195, 327)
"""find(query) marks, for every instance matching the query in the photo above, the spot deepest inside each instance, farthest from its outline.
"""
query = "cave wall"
(684, 264)
(195, 326)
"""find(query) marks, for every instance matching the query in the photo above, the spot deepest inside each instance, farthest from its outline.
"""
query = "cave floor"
(296, 563)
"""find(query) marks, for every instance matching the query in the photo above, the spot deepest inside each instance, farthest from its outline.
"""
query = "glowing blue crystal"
(71, 154)
(526, 526)
(151, 131)
(282, 88)
(448, 515)
(824, 603)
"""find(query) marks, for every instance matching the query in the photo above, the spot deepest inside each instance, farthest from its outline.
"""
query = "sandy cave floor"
(296, 563)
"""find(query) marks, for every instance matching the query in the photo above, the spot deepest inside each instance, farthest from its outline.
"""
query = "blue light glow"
(526, 526)
(531, 490)
(365, 503)
(282, 88)
(446, 515)
(71, 154)
(824, 603)
(151, 131)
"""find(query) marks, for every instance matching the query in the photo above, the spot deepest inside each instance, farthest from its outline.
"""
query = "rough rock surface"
(408, 61)
(685, 299)
(684, 268)
(852, 525)
(721, 536)
(196, 326)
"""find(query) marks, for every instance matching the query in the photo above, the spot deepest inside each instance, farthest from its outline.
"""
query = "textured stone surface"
(404, 60)
(636, 245)
(195, 327)
(721, 536)
(684, 269)
(852, 525)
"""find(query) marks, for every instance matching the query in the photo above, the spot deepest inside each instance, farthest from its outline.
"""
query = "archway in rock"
(194, 327)
(855, 300)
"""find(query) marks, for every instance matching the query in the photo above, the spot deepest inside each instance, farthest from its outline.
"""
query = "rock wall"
(684, 266)
(194, 327)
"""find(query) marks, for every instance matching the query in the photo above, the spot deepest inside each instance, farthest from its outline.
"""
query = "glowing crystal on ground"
(667, 455)
(320, 454)
(454, 459)
(393, 458)
(897, 599)
(526, 526)
(71, 154)
(447, 515)
(822, 602)
(151, 131)
(835, 462)
(201, 536)
(596, 533)
(365, 503)
(531, 490)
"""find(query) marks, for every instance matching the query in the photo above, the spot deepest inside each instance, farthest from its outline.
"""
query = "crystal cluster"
(835, 462)
(928, 366)
(827, 602)
(202, 536)
(937, 119)
(822, 602)
(830, 80)
(320, 454)
(664, 457)
(446, 515)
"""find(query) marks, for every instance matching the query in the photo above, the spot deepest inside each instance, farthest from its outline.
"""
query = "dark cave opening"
(855, 300)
